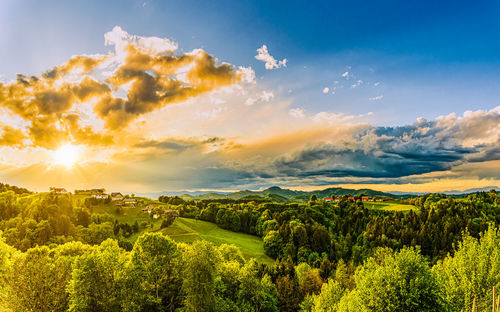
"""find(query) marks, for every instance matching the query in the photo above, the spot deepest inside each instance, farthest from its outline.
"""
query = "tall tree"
(200, 260)
(153, 277)
(97, 279)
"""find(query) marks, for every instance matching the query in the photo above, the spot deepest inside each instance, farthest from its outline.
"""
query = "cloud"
(142, 75)
(356, 84)
(12, 137)
(270, 62)
(264, 96)
(296, 112)
(376, 98)
(326, 90)
(345, 74)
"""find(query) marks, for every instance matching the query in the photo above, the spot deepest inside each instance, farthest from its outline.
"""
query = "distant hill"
(453, 192)
(15, 189)
(281, 195)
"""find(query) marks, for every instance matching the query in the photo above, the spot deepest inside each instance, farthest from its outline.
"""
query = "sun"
(66, 155)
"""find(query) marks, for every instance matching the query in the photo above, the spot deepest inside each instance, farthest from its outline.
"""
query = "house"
(100, 196)
(328, 199)
(147, 209)
(351, 198)
(171, 213)
(130, 201)
(58, 190)
(116, 196)
(89, 192)
(366, 198)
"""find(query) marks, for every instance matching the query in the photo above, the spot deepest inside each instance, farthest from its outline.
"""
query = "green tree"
(35, 282)
(329, 297)
(260, 294)
(472, 271)
(273, 244)
(288, 293)
(153, 276)
(400, 281)
(97, 278)
(199, 260)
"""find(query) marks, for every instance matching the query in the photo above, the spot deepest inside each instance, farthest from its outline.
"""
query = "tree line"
(319, 231)
(159, 274)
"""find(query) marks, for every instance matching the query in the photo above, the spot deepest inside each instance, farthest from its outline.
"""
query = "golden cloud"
(143, 75)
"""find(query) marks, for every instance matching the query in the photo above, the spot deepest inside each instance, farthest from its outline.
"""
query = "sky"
(152, 96)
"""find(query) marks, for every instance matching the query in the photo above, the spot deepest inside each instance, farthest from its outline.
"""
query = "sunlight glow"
(66, 155)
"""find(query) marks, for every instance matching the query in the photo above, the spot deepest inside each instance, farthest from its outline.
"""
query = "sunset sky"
(151, 96)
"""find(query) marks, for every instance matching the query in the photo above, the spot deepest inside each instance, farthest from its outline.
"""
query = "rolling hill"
(278, 194)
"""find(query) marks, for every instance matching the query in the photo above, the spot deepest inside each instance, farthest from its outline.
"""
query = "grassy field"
(184, 230)
(189, 230)
(389, 205)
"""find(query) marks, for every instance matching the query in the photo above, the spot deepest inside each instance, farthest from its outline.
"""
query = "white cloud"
(346, 74)
(264, 96)
(148, 45)
(376, 98)
(326, 90)
(376, 84)
(357, 84)
(247, 73)
(271, 62)
(297, 112)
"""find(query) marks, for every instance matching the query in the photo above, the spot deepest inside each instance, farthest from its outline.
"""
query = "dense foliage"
(59, 255)
(311, 232)
(28, 220)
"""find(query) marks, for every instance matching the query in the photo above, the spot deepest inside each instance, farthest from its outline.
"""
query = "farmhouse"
(171, 213)
(130, 201)
(328, 199)
(147, 209)
(58, 190)
(100, 196)
(116, 196)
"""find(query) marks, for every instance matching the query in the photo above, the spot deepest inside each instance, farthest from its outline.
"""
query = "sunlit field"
(189, 230)
(389, 206)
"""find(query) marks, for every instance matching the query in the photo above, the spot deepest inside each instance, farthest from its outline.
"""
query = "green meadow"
(184, 230)
(389, 206)
(189, 230)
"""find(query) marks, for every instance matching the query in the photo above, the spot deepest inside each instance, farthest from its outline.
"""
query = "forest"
(62, 254)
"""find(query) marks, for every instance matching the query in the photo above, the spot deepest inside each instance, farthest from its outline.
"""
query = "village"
(119, 200)
(336, 199)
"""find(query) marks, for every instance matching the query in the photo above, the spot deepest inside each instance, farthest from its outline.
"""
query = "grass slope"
(390, 206)
(188, 230)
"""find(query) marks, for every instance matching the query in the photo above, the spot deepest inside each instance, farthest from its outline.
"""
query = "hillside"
(278, 194)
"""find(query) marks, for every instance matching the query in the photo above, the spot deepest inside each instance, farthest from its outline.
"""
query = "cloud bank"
(143, 75)
(153, 118)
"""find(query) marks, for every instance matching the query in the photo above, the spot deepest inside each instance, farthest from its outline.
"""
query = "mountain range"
(275, 193)
(278, 194)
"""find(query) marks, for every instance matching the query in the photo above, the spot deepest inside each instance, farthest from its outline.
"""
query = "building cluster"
(58, 190)
(159, 211)
(336, 199)
(117, 197)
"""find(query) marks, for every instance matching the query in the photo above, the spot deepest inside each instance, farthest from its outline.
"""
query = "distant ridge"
(278, 194)
(283, 195)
